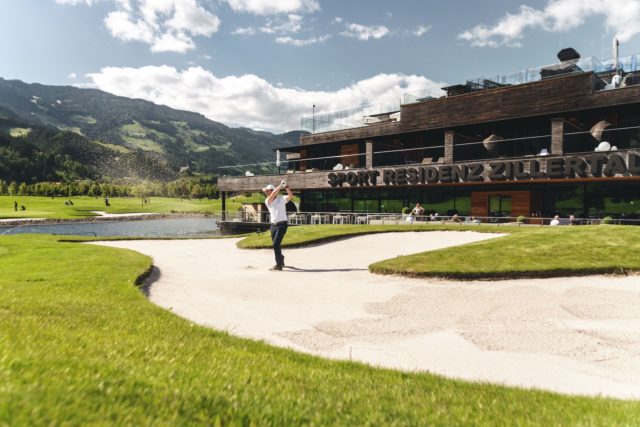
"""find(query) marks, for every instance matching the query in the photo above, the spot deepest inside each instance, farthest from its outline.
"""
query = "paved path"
(572, 335)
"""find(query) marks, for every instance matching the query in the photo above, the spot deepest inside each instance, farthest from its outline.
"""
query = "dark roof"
(297, 148)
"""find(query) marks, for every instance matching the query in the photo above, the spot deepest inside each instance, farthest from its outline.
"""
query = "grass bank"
(54, 208)
(531, 252)
(524, 252)
(314, 234)
(81, 345)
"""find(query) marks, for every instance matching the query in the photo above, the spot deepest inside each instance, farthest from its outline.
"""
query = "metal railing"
(357, 117)
(362, 218)
(327, 163)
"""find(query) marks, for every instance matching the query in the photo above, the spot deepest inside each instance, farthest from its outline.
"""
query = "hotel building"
(550, 140)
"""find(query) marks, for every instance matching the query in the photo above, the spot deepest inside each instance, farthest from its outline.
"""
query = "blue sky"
(263, 63)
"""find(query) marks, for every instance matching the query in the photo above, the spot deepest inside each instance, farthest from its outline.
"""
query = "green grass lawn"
(46, 207)
(531, 252)
(312, 234)
(525, 252)
(81, 345)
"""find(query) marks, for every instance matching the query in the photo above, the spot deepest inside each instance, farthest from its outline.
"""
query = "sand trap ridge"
(573, 335)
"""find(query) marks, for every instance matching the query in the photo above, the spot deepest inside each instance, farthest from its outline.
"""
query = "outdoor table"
(364, 219)
(339, 219)
(317, 219)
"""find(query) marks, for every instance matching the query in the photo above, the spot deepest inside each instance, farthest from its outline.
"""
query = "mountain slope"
(124, 125)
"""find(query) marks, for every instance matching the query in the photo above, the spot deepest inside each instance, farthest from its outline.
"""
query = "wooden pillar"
(369, 154)
(223, 194)
(448, 146)
(557, 136)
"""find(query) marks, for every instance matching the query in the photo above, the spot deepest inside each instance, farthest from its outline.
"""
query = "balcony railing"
(367, 115)
(371, 218)
(579, 142)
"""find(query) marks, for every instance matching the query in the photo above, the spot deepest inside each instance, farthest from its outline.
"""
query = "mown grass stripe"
(81, 345)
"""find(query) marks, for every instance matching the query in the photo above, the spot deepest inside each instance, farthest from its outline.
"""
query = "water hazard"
(172, 227)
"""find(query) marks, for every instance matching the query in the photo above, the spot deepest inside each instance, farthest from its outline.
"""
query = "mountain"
(113, 128)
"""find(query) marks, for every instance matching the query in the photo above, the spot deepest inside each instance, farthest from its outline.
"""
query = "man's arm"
(289, 194)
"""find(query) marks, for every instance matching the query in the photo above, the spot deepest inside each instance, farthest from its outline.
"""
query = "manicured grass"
(531, 252)
(525, 252)
(46, 207)
(81, 345)
(313, 234)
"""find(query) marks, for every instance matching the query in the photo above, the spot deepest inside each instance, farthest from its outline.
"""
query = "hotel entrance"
(500, 204)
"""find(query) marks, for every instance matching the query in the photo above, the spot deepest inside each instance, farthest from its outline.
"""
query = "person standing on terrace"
(278, 213)
(418, 211)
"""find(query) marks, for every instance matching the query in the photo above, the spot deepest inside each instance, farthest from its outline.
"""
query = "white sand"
(571, 335)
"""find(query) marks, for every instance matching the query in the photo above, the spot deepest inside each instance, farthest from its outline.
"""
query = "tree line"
(183, 188)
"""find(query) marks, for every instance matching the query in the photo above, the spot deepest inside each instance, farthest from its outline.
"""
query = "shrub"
(520, 218)
(607, 220)
(406, 211)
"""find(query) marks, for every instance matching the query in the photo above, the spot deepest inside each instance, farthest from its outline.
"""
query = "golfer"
(277, 206)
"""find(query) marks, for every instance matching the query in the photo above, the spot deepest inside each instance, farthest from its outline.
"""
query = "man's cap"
(269, 187)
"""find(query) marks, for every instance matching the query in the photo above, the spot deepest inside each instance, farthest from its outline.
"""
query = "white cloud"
(166, 25)
(273, 7)
(292, 24)
(301, 42)
(122, 26)
(172, 42)
(244, 31)
(74, 2)
(363, 32)
(72, 76)
(421, 30)
(620, 16)
(248, 100)
(337, 20)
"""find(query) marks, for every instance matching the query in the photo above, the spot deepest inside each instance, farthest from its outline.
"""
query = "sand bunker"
(572, 335)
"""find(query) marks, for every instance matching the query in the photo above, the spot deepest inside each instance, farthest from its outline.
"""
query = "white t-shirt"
(277, 209)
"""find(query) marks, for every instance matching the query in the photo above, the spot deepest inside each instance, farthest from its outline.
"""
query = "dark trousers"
(277, 234)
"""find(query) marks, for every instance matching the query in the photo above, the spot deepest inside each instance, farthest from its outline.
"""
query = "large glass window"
(393, 201)
(463, 201)
(620, 200)
(338, 201)
(440, 200)
(563, 200)
(312, 201)
(366, 201)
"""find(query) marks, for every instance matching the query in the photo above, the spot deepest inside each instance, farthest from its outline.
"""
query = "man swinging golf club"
(277, 206)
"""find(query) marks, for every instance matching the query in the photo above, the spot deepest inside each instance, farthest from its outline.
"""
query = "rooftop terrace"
(389, 112)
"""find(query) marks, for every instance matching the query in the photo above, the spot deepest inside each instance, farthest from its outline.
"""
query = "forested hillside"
(64, 132)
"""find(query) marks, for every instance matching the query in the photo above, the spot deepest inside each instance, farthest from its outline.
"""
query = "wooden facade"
(551, 104)
(521, 202)
(522, 170)
(555, 96)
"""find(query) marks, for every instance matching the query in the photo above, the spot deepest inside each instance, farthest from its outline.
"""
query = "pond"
(172, 227)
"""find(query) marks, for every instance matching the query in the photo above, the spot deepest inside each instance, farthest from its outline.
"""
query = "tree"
(197, 192)
(4, 187)
(22, 189)
(13, 188)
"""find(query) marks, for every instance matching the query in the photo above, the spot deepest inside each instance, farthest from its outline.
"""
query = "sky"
(264, 63)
